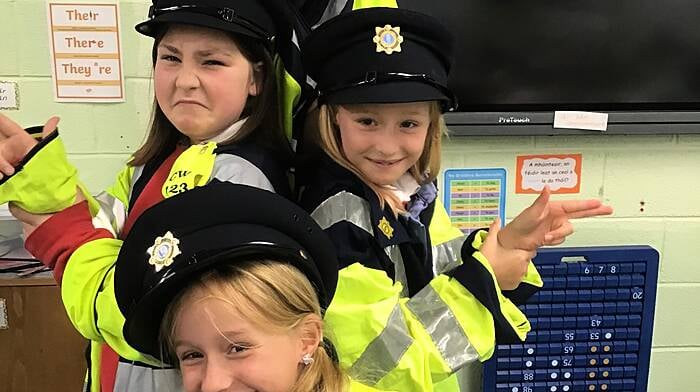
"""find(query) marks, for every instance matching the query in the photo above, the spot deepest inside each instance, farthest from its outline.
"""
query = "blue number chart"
(591, 324)
(475, 197)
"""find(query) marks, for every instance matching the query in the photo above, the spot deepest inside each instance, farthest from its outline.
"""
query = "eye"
(409, 124)
(213, 62)
(366, 121)
(190, 356)
(169, 57)
(237, 348)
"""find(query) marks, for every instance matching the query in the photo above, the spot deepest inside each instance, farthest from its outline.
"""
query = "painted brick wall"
(661, 171)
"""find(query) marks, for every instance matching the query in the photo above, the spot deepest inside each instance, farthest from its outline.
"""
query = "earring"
(307, 359)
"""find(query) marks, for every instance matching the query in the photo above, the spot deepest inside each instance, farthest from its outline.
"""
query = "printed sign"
(85, 52)
(474, 198)
(9, 96)
(581, 120)
(561, 172)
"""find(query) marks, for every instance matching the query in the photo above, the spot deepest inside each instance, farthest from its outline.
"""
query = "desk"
(39, 349)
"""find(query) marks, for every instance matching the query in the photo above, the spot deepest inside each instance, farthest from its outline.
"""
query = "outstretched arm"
(547, 222)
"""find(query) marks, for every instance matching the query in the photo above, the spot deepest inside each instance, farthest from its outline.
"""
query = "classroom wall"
(653, 182)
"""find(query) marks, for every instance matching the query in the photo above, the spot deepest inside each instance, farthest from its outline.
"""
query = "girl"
(413, 315)
(236, 295)
(215, 119)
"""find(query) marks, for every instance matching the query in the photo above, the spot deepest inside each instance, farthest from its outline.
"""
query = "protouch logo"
(513, 120)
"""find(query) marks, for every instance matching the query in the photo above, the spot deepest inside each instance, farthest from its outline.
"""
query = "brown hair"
(426, 169)
(274, 297)
(264, 124)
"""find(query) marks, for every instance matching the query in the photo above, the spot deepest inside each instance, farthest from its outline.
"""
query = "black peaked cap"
(207, 226)
(253, 18)
(378, 55)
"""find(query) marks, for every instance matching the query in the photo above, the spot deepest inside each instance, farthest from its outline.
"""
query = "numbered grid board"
(591, 324)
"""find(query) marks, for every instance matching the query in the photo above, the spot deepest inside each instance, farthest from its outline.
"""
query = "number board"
(591, 324)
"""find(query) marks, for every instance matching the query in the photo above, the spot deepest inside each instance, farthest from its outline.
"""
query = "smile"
(384, 162)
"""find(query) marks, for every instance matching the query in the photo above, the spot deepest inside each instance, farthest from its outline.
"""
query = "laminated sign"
(85, 52)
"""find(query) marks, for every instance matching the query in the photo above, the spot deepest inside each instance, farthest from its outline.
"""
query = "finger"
(539, 206)
(557, 241)
(6, 167)
(9, 127)
(495, 225)
(50, 126)
(494, 228)
(559, 233)
(598, 210)
(79, 196)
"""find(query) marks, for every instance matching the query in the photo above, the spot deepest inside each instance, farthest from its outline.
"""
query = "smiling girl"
(418, 306)
(216, 118)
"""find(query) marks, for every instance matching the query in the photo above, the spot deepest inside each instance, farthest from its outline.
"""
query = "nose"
(385, 141)
(187, 77)
(217, 377)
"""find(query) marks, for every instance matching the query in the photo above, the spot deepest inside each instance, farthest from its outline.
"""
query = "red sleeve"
(55, 240)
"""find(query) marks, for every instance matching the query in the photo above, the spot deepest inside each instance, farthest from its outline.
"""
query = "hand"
(31, 221)
(15, 143)
(546, 222)
(509, 264)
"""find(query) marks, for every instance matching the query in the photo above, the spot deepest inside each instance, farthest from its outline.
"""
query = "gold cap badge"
(163, 251)
(388, 39)
(386, 228)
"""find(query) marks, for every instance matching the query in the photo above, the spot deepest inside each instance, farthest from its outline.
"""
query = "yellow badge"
(191, 169)
(386, 228)
(388, 39)
(163, 251)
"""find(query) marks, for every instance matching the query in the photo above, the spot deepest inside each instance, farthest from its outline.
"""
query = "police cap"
(247, 17)
(183, 236)
(380, 55)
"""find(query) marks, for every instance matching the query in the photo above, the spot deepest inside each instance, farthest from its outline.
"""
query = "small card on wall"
(562, 172)
(9, 96)
(474, 198)
(85, 52)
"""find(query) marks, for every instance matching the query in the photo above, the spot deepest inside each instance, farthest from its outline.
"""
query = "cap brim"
(152, 26)
(390, 92)
(142, 326)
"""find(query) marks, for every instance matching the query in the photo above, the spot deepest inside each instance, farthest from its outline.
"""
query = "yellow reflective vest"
(417, 307)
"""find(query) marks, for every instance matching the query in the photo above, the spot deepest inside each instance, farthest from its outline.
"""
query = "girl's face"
(202, 80)
(219, 351)
(383, 140)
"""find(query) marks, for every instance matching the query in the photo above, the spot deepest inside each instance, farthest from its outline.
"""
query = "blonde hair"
(425, 170)
(273, 296)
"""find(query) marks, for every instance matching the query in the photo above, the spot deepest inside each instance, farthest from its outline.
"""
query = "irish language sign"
(85, 52)
(561, 172)
(9, 96)
(475, 197)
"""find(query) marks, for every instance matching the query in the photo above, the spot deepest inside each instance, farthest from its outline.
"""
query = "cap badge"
(388, 39)
(386, 228)
(163, 251)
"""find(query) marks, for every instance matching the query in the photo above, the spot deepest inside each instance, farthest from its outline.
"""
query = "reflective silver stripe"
(343, 206)
(138, 171)
(112, 213)
(394, 254)
(384, 352)
(333, 8)
(134, 378)
(447, 255)
(237, 170)
(443, 327)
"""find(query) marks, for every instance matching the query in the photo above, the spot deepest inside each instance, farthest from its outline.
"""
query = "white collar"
(405, 187)
(228, 132)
